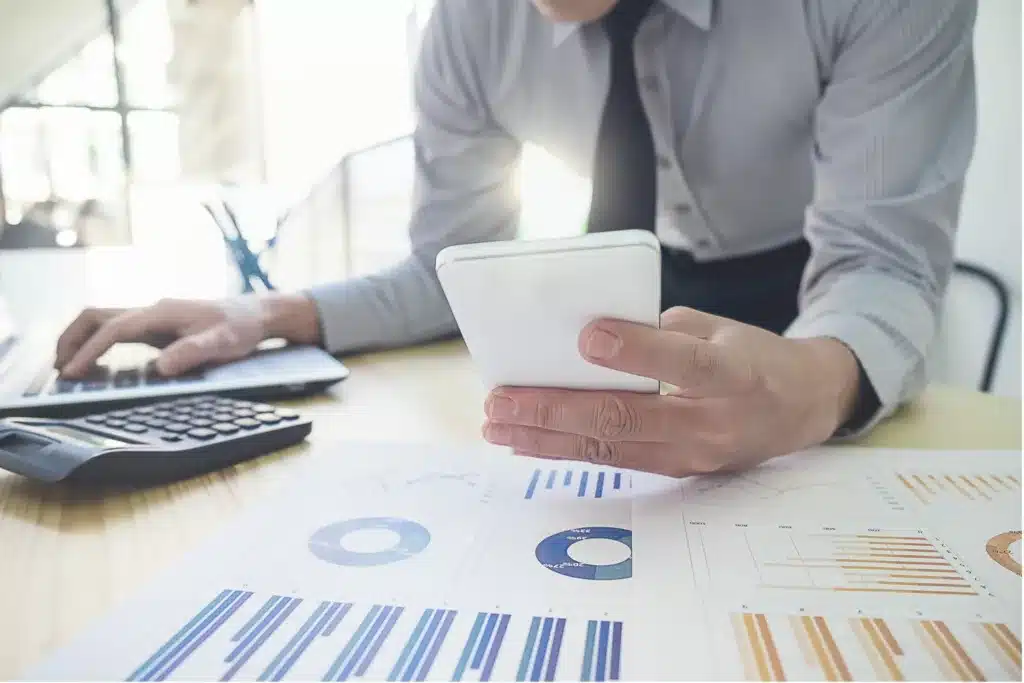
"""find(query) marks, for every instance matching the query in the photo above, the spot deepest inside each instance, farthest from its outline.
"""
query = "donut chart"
(553, 553)
(326, 542)
(998, 548)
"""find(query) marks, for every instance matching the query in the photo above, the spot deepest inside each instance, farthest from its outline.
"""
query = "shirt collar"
(697, 11)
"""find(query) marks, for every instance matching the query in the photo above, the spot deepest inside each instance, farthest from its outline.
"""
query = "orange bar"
(746, 654)
(920, 481)
(921, 576)
(898, 544)
(932, 646)
(958, 584)
(937, 482)
(958, 649)
(874, 652)
(858, 567)
(986, 482)
(1000, 649)
(929, 627)
(769, 645)
(918, 556)
(957, 487)
(847, 560)
(901, 590)
(815, 640)
(1010, 638)
(1013, 479)
(973, 486)
(890, 640)
(917, 493)
(802, 640)
(830, 643)
(1001, 482)
(755, 645)
(884, 652)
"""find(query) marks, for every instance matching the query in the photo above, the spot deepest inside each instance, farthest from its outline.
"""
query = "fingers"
(216, 344)
(129, 326)
(610, 416)
(647, 457)
(80, 329)
(699, 368)
(693, 322)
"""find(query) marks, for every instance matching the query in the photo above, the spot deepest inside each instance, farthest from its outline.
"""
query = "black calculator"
(151, 443)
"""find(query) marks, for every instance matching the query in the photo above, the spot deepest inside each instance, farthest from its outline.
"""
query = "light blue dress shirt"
(850, 122)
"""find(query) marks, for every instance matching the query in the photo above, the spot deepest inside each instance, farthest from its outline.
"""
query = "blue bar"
(279, 605)
(182, 632)
(359, 653)
(531, 640)
(616, 651)
(292, 603)
(410, 644)
(471, 642)
(533, 484)
(262, 612)
(333, 623)
(551, 479)
(556, 647)
(421, 649)
(588, 651)
(600, 485)
(351, 644)
(481, 648)
(381, 637)
(331, 617)
(602, 652)
(301, 640)
(210, 628)
(436, 647)
(617, 480)
(492, 656)
(542, 649)
(583, 485)
(568, 478)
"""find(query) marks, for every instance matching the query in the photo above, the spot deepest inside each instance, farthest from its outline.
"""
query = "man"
(801, 161)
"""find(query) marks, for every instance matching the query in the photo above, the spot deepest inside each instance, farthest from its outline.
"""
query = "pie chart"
(1005, 549)
(328, 542)
(553, 553)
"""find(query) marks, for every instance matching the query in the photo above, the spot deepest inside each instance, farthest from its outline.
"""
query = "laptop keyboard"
(105, 378)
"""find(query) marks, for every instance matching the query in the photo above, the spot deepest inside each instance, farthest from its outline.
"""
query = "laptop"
(126, 375)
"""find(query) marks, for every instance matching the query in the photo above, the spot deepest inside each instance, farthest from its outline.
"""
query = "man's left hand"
(738, 395)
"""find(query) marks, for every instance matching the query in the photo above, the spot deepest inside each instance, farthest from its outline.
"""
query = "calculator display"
(66, 433)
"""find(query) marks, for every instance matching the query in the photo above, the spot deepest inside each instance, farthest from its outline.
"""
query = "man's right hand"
(191, 333)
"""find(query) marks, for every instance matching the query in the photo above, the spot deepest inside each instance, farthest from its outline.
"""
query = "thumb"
(215, 344)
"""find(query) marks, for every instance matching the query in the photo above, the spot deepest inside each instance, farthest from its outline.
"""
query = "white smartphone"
(521, 305)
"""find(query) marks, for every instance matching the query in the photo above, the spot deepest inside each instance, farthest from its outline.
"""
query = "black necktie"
(624, 176)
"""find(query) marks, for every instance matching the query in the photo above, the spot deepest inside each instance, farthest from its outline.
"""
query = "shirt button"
(664, 162)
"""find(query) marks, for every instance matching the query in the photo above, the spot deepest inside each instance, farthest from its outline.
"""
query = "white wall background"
(990, 229)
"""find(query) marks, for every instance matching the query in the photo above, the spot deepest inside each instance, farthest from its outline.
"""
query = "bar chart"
(288, 637)
(939, 488)
(869, 562)
(802, 647)
(577, 483)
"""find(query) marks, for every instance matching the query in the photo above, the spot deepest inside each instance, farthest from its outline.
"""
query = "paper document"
(426, 563)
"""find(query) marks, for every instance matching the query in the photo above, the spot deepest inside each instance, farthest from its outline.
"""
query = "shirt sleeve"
(894, 135)
(464, 172)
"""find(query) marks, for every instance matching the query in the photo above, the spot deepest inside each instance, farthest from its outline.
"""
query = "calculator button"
(120, 413)
(170, 437)
(200, 422)
(268, 418)
(222, 417)
(286, 414)
(145, 410)
(243, 412)
(225, 428)
(163, 415)
(202, 433)
(156, 423)
(113, 422)
(177, 427)
(261, 408)
(134, 428)
(95, 419)
(248, 423)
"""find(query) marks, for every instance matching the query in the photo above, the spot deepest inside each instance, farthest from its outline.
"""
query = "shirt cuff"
(882, 365)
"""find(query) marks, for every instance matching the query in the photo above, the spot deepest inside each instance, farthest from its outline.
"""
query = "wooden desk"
(68, 557)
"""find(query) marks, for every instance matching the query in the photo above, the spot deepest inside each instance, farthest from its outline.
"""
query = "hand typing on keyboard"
(191, 333)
